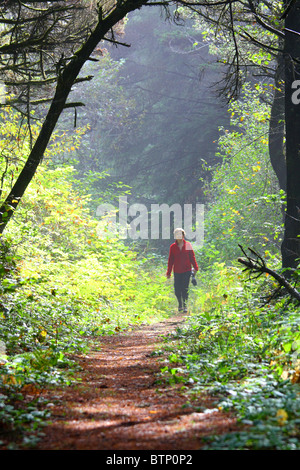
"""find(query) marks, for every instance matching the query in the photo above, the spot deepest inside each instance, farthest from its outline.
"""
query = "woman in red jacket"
(181, 260)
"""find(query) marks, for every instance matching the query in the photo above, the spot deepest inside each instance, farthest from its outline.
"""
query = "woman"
(181, 260)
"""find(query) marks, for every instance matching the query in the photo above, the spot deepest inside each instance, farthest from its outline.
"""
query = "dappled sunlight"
(122, 403)
(149, 225)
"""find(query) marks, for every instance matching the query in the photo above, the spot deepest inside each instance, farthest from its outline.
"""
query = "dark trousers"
(181, 287)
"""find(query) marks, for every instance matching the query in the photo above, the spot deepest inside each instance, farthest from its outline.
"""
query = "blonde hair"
(178, 231)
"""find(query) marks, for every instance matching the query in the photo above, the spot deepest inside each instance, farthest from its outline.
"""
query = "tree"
(291, 243)
(250, 53)
(277, 21)
(65, 74)
(244, 201)
(156, 138)
(35, 39)
(281, 37)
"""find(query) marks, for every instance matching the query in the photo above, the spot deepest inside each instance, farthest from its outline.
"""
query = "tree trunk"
(63, 89)
(291, 243)
(276, 126)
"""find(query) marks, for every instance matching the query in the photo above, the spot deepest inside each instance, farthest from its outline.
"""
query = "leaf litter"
(121, 404)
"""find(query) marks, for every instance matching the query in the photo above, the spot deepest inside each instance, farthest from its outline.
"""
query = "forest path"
(119, 405)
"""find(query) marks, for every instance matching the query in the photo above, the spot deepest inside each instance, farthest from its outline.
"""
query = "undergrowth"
(62, 286)
(46, 321)
(244, 349)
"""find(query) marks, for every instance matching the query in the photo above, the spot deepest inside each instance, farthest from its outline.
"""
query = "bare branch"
(258, 267)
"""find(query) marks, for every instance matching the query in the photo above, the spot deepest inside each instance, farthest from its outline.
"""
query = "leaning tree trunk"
(256, 266)
(64, 84)
(291, 243)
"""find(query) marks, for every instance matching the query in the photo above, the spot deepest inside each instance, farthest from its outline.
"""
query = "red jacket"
(181, 260)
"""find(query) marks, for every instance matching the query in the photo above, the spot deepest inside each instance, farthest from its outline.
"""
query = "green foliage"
(148, 106)
(109, 118)
(15, 144)
(63, 283)
(243, 349)
(235, 36)
(244, 201)
(62, 256)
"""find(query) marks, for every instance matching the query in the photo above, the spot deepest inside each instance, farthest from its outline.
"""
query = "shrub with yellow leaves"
(282, 417)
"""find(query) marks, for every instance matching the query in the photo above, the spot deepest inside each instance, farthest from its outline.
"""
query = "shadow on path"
(120, 405)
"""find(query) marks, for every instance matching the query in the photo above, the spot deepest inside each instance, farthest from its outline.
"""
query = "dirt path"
(120, 406)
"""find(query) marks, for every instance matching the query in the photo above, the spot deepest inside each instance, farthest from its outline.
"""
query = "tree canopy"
(33, 56)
